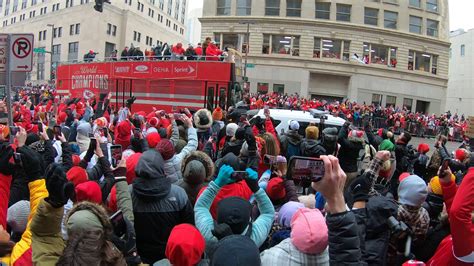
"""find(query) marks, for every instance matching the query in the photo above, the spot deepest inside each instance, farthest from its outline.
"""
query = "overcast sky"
(460, 12)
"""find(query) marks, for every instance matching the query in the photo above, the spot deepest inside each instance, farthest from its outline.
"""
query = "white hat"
(294, 125)
(231, 129)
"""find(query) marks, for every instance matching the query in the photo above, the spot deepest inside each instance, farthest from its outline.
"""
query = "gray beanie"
(84, 129)
(17, 216)
(194, 172)
(412, 191)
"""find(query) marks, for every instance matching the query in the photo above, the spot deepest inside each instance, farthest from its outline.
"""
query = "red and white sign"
(3, 52)
(21, 52)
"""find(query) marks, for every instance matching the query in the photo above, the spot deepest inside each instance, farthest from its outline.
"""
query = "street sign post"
(3, 52)
(16, 55)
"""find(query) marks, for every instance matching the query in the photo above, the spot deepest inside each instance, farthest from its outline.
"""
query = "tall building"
(460, 95)
(390, 52)
(193, 26)
(70, 28)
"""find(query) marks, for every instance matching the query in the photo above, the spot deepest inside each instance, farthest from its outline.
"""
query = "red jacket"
(457, 248)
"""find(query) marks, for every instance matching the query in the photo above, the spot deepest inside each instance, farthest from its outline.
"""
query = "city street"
(451, 146)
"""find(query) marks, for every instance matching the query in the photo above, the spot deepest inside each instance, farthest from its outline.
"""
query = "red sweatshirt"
(458, 248)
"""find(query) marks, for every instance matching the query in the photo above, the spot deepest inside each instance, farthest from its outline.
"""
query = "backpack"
(292, 150)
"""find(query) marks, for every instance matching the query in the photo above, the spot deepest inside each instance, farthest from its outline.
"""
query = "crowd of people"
(83, 182)
(397, 119)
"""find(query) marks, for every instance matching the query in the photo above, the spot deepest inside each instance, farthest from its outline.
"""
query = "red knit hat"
(112, 203)
(276, 189)
(461, 154)
(165, 147)
(423, 148)
(101, 122)
(61, 118)
(132, 162)
(185, 245)
(153, 139)
(77, 175)
(217, 114)
(356, 135)
(89, 191)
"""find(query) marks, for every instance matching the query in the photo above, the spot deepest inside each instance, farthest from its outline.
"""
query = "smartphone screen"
(118, 223)
(177, 116)
(93, 143)
(239, 175)
(116, 152)
(306, 169)
(17, 158)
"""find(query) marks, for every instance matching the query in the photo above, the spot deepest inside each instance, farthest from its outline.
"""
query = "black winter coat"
(349, 152)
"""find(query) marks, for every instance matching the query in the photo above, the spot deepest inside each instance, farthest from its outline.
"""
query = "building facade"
(70, 28)
(389, 52)
(460, 95)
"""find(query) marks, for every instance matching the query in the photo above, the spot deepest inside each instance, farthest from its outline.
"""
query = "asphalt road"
(451, 146)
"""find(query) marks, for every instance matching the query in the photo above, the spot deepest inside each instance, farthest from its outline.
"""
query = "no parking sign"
(21, 52)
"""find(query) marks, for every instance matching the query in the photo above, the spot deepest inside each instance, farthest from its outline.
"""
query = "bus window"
(210, 98)
(222, 97)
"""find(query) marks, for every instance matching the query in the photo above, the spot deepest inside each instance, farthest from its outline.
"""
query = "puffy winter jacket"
(285, 253)
(172, 166)
(158, 206)
(349, 152)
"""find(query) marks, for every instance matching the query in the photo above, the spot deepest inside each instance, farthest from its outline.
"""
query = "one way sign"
(21, 52)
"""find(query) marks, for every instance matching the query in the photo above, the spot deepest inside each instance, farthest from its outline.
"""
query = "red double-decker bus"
(166, 85)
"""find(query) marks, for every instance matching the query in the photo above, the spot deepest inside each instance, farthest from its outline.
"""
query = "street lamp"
(51, 51)
(248, 23)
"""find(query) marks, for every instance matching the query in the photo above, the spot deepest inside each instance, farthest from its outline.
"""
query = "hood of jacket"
(151, 182)
(309, 147)
(293, 137)
(288, 254)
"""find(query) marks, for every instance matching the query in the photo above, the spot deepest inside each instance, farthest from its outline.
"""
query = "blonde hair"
(271, 145)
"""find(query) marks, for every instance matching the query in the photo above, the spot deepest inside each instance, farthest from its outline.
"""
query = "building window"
(272, 7)
(129, 2)
(223, 7)
(137, 36)
(391, 101)
(109, 29)
(140, 7)
(32, 14)
(293, 8)
(237, 41)
(328, 48)
(151, 12)
(73, 50)
(323, 10)
(424, 62)
(415, 24)
(432, 6)
(55, 7)
(463, 50)
(74, 29)
(40, 71)
(371, 16)
(170, 7)
(78, 28)
(390, 19)
(380, 54)
(262, 87)
(415, 3)
(161, 4)
(408, 103)
(343, 12)
(432, 27)
(279, 88)
(377, 99)
(281, 44)
(114, 30)
(23, 4)
(244, 7)
(69, 3)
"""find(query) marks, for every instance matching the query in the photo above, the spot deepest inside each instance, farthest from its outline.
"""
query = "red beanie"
(460, 154)
(153, 139)
(423, 148)
(132, 162)
(77, 175)
(89, 191)
(165, 147)
(185, 245)
(276, 189)
(61, 118)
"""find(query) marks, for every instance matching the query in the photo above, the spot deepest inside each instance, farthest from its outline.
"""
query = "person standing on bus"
(177, 52)
(124, 54)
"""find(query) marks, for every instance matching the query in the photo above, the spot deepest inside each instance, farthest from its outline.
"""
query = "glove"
(31, 161)
(6, 153)
(59, 189)
(127, 243)
(131, 100)
(221, 230)
(225, 176)
(360, 188)
(252, 180)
